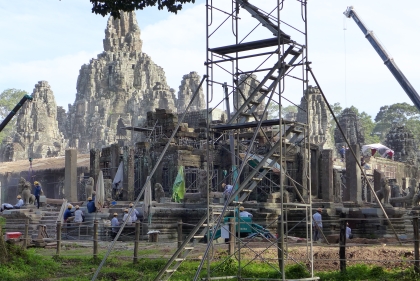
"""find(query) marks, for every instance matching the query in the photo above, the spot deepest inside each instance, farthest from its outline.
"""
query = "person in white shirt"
(348, 232)
(134, 213)
(78, 215)
(6, 206)
(19, 203)
(317, 224)
(115, 226)
(129, 221)
(243, 213)
(227, 190)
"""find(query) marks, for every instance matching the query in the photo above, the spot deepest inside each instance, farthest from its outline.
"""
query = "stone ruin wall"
(51, 180)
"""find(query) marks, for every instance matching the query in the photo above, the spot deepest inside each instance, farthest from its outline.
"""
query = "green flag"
(178, 189)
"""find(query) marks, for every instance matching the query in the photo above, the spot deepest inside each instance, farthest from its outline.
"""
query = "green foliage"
(274, 109)
(297, 271)
(113, 7)
(8, 100)
(399, 113)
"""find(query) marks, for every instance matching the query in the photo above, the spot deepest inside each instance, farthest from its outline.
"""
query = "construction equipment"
(388, 61)
(14, 111)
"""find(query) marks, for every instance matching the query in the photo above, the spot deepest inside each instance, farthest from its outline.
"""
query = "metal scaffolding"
(251, 54)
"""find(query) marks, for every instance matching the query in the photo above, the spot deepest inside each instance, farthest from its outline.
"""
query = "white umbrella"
(100, 191)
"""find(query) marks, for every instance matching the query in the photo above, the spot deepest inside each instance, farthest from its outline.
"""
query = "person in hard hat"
(115, 226)
(19, 203)
(91, 204)
(317, 224)
(68, 214)
(134, 213)
(78, 215)
(243, 213)
(127, 217)
(37, 193)
(7, 206)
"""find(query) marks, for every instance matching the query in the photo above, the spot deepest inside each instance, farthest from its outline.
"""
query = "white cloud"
(61, 73)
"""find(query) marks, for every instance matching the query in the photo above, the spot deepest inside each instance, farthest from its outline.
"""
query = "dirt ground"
(386, 253)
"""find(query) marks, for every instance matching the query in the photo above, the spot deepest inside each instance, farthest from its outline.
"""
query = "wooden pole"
(95, 239)
(342, 252)
(231, 236)
(57, 253)
(136, 242)
(280, 254)
(416, 244)
(26, 235)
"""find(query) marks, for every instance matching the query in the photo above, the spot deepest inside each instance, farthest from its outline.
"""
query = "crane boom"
(14, 111)
(388, 61)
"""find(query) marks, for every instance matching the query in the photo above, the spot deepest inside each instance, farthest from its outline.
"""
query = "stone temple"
(114, 90)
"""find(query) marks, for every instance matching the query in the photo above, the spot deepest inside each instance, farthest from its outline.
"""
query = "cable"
(345, 62)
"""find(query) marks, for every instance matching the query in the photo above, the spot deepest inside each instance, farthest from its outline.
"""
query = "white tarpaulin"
(117, 183)
(384, 151)
(100, 191)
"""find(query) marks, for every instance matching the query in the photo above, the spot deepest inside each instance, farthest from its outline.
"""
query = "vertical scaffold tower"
(257, 58)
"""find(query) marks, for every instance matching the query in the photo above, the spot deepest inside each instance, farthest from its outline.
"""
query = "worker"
(19, 203)
(78, 215)
(134, 213)
(6, 206)
(115, 226)
(349, 235)
(68, 214)
(243, 213)
(317, 224)
(127, 217)
(227, 190)
(91, 204)
(37, 193)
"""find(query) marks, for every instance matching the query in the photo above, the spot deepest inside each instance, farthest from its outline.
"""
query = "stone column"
(377, 176)
(128, 181)
(315, 192)
(353, 189)
(115, 160)
(70, 175)
(94, 162)
(327, 186)
(337, 186)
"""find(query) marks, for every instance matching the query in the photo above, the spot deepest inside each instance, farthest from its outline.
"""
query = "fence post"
(58, 239)
(231, 236)
(95, 239)
(416, 244)
(136, 242)
(25, 236)
(279, 242)
(342, 252)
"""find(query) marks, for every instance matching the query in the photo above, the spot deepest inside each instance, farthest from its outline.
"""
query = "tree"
(8, 100)
(365, 121)
(399, 113)
(274, 108)
(113, 7)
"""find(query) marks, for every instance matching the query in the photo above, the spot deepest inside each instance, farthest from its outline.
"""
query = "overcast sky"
(50, 40)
